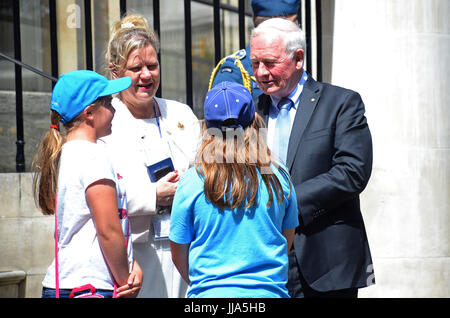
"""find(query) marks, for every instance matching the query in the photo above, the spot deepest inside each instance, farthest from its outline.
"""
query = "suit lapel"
(308, 101)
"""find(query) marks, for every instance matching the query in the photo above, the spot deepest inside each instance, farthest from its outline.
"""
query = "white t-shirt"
(80, 258)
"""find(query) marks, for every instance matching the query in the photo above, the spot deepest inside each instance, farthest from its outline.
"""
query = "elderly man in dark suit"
(320, 133)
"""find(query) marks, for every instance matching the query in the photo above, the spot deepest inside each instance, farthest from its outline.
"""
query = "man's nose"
(260, 69)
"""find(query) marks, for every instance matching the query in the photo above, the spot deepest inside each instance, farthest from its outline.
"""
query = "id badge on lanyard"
(157, 152)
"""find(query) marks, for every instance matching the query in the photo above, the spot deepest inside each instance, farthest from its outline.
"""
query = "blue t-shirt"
(233, 253)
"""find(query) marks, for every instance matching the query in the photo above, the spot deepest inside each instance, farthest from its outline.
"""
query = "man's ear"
(299, 58)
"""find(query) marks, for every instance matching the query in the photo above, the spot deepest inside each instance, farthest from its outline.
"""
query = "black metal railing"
(89, 56)
(307, 27)
(20, 154)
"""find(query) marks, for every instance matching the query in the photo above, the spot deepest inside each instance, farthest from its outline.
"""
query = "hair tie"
(54, 127)
(127, 25)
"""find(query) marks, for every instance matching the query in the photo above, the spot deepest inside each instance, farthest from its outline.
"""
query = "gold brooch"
(180, 125)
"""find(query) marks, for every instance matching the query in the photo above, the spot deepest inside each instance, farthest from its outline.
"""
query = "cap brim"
(116, 86)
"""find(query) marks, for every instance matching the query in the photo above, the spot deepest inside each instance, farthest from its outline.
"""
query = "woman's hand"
(166, 187)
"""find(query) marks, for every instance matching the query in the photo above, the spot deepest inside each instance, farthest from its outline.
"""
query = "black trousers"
(299, 288)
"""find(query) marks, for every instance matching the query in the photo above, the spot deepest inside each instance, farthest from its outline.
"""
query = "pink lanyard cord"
(56, 255)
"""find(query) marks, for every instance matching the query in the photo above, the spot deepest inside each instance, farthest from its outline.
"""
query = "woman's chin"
(145, 95)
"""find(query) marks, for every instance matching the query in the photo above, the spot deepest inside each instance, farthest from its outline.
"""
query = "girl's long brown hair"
(232, 178)
(45, 165)
(46, 160)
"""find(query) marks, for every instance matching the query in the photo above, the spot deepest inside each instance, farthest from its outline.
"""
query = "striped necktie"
(282, 129)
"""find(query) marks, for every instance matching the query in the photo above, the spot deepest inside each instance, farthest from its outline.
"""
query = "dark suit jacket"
(330, 162)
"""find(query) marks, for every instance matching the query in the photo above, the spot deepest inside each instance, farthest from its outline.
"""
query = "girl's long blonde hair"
(232, 177)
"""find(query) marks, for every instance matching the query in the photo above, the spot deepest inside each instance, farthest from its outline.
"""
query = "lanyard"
(159, 126)
(143, 137)
(157, 119)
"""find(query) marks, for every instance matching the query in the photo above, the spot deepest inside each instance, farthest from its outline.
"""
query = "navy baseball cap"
(270, 8)
(74, 91)
(229, 104)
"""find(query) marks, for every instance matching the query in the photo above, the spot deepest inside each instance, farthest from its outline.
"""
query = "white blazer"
(179, 127)
(180, 130)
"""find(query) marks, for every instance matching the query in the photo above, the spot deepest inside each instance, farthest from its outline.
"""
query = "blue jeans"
(64, 293)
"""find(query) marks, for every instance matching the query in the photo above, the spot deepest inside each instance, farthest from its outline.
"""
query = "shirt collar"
(294, 96)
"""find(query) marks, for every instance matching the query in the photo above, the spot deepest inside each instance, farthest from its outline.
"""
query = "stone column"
(396, 55)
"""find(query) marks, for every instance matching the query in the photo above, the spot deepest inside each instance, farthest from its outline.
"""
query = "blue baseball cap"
(229, 104)
(270, 8)
(74, 91)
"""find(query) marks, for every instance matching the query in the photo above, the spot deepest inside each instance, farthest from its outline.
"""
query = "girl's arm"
(180, 257)
(134, 283)
(102, 200)
(289, 235)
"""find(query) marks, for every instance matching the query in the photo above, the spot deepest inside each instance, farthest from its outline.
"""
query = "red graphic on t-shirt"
(123, 213)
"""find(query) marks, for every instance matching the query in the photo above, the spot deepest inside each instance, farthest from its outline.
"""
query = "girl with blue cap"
(75, 176)
(235, 212)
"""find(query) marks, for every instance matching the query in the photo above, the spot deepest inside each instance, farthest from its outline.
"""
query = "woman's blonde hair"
(130, 33)
(46, 160)
(232, 178)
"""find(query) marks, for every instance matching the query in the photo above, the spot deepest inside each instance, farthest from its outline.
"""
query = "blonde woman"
(150, 137)
(91, 205)
(234, 214)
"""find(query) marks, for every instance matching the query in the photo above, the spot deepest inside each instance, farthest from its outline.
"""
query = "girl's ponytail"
(45, 166)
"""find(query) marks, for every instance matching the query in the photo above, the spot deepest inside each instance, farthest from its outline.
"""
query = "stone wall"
(36, 120)
(26, 236)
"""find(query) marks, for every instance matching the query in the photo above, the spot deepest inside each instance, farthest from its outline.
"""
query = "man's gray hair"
(293, 36)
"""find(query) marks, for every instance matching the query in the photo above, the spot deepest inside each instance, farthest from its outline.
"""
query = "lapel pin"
(313, 100)
(180, 125)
